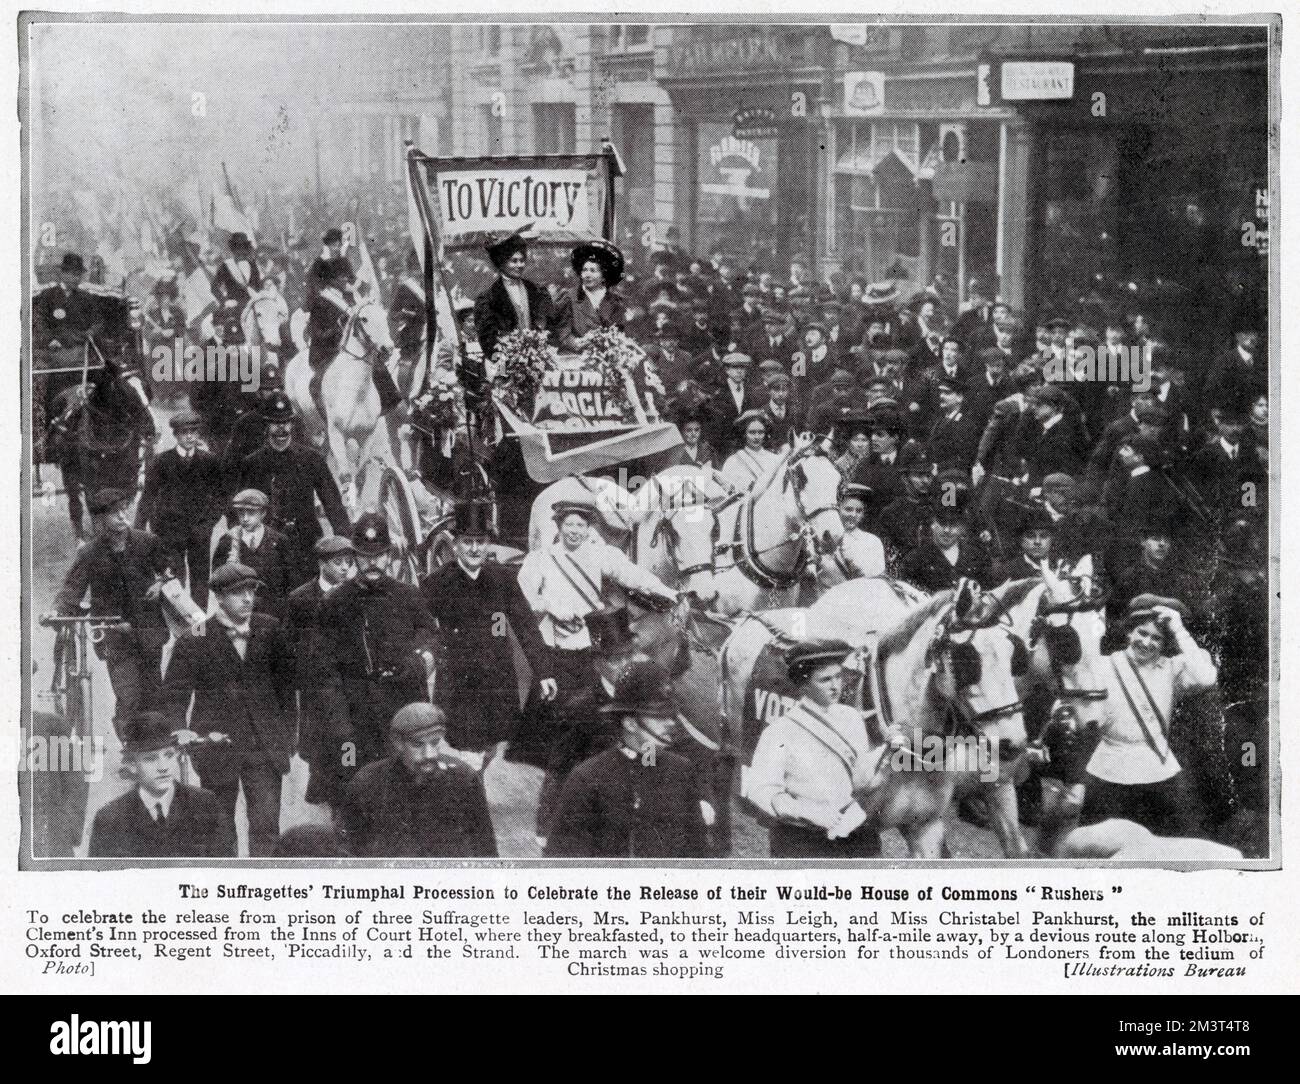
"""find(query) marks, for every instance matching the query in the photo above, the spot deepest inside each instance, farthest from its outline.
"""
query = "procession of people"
(974, 445)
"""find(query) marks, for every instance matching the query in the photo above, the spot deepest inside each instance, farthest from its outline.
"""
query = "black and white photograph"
(701, 442)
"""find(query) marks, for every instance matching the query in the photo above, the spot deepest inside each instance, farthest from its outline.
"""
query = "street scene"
(651, 441)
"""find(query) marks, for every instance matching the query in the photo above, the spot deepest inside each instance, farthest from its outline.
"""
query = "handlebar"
(96, 626)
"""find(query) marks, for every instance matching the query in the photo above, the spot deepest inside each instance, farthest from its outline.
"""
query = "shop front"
(746, 103)
(1151, 194)
(920, 191)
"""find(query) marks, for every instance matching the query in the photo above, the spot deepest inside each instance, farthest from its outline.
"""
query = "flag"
(365, 267)
(227, 212)
(196, 296)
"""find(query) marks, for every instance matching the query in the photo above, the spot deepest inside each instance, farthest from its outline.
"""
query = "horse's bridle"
(943, 642)
(749, 557)
(1084, 602)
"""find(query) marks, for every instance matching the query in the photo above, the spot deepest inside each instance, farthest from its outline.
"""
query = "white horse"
(348, 392)
(767, 542)
(264, 321)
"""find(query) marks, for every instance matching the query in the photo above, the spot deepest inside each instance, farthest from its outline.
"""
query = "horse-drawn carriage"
(91, 401)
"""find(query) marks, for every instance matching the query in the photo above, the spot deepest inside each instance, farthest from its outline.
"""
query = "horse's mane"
(902, 634)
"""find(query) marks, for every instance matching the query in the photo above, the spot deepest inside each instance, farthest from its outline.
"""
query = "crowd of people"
(975, 443)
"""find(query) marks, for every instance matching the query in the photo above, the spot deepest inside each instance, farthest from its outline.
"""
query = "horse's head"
(814, 483)
(1066, 633)
(687, 530)
(976, 656)
(264, 320)
(370, 322)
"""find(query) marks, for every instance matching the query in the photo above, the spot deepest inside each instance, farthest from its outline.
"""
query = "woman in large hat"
(593, 303)
(512, 301)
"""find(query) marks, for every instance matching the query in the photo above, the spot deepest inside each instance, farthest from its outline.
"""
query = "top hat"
(239, 242)
(72, 264)
(333, 236)
(474, 518)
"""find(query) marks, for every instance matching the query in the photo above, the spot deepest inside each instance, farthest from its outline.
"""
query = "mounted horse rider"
(332, 310)
(234, 284)
(64, 314)
(318, 275)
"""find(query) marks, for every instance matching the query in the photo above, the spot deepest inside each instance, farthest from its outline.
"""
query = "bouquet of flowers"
(615, 356)
(521, 359)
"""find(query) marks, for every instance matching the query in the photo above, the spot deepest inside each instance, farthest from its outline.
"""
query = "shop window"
(629, 37)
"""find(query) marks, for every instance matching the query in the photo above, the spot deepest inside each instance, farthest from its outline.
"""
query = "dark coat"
(63, 315)
(927, 568)
(180, 495)
(1234, 383)
(780, 431)
(574, 316)
(273, 563)
(386, 814)
(1062, 449)
(723, 415)
(195, 828)
(249, 699)
(954, 441)
(293, 480)
(613, 806)
(903, 525)
(476, 683)
(118, 584)
(494, 315)
(982, 397)
(406, 315)
(884, 481)
(303, 635)
(1220, 479)
(370, 663)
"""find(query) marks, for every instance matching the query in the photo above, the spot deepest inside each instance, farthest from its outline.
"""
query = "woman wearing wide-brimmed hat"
(512, 301)
(593, 303)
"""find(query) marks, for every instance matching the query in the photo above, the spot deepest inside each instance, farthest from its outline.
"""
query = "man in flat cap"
(240, 677)
(736, 396)
(419, 801)
(263, 549)
(377, 650)
(293, 478)
(336, 564)
(955, 436)
(181, 502)
(1051, 438)
(158, 817)
(123, 570)
(476, 603)
(512, 301)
